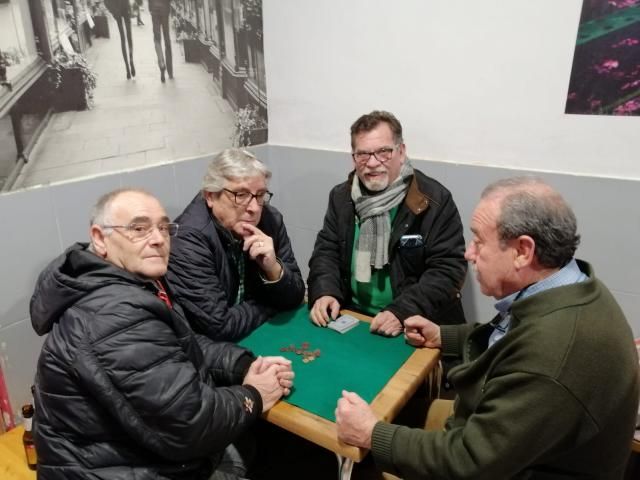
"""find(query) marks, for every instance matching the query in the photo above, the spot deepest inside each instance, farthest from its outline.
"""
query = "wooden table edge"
(407, 379)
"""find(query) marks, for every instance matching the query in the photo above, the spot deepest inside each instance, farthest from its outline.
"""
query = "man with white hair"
(232, 266)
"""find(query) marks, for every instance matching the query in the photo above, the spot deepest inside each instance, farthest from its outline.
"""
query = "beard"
(376, 184)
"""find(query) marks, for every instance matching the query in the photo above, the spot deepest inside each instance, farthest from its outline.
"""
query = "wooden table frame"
(386, 405)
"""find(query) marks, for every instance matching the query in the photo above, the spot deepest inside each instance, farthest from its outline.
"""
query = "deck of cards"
(343, 323)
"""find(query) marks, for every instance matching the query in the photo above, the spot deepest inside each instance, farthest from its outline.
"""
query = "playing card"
(343, 323)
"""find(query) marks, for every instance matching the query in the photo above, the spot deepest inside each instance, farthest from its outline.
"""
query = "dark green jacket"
(555, 398)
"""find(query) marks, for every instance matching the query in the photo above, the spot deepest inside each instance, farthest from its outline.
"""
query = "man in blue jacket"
(232, 266)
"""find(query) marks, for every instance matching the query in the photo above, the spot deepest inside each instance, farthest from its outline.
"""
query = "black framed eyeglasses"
(143, 230)
(382, 155)
(244, 198)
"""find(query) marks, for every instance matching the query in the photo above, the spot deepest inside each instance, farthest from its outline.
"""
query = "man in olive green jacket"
(549, 389)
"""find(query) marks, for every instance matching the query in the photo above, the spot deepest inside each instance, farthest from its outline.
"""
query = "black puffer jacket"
(205, 281)
(424, 280)
(125, 389)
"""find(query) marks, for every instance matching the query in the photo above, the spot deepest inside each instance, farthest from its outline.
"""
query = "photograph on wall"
(605, 77)
(93, 87)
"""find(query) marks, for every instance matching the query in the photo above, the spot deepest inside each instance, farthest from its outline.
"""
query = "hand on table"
(420, 332)
(355, 420)
(284, 373)
(386, 323)
(266, 381)
(324, 310)
(260, 248)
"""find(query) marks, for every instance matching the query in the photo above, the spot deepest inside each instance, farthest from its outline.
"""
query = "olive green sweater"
(555, 398)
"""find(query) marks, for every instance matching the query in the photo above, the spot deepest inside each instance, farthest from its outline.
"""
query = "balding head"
(130, 229)
(529, 206)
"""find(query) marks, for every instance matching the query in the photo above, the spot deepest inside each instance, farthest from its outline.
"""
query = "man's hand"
(355, 420)
(265, 381)
(260, 248)
(386, 323)
(421, 332)
(284, 373)
(324, 310)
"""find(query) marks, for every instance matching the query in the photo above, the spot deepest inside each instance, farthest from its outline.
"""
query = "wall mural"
(97, 86)
(605, 78)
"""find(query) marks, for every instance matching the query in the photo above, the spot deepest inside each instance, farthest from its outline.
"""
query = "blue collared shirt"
(567, 275)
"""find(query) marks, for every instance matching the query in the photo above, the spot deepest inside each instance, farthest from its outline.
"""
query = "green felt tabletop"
(356, 361)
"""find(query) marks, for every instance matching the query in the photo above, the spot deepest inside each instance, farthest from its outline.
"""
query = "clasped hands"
(272, 377)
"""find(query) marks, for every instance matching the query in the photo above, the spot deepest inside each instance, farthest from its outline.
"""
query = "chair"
(439, 411)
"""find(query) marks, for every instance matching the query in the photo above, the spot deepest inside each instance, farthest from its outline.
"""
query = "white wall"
(473, 81)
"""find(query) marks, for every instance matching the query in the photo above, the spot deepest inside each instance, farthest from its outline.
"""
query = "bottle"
(27, 436)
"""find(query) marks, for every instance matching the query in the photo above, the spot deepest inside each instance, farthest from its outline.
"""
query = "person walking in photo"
(159, 10)
(137, 7)
(121, 11)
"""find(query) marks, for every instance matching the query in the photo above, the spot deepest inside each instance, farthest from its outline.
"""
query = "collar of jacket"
(548, 301)
(415, 200)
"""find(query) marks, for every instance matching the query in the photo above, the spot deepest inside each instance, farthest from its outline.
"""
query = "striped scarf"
(375, 224)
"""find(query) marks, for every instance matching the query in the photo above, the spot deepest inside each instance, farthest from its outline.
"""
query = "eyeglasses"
(382, 155)
(143, 230)
(244, 198)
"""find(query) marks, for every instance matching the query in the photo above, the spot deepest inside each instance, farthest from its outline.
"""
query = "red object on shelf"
(5, 407)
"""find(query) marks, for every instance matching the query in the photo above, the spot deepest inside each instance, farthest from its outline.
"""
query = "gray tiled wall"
(38, 224)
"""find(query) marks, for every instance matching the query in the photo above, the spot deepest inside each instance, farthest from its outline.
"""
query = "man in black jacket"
(124, 388)
(391, 245)
(232, 266)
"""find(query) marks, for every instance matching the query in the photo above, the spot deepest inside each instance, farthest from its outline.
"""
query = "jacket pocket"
(411, 260)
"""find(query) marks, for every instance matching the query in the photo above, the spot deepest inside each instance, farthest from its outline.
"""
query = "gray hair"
(529, 206)
(232, 163)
